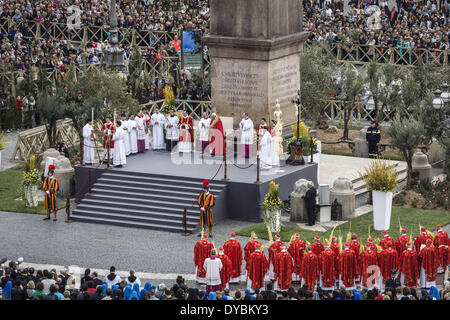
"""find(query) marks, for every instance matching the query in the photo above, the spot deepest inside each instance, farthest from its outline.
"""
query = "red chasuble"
(400, 244)
(317, 248)
(248, 250)
(216, 138)
(387, 260)
(202, 250)
(225, 273)
(297, 251)
(429, 261)
(257, 269)
(233, 249)
(105, 129)
(186, 135)
(442, 243)
(420, 240)
(329, 267)
(283, 269)
(368, 258)
(348, 267)
(274, 249)
(410, 267)
(387, 240)
(310, 269)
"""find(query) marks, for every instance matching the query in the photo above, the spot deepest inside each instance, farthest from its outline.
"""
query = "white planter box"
(273, 219)
(382, 206)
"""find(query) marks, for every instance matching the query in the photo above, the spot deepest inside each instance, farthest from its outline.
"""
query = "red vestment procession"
(233, 249)
(317, 248)
(186, 135)
(249, 249)
(429, 260)
(410, 267)
(216, 138)
(225, 273)
(356, 247)
(105, 128)
(257, 269)
(421, 240)
(387, 240)
(310, 269)
(368, 258)
(442, 243)
(335, 247)
(283, 269)
(348, 267)
(329, 267)
(400, 244)
(274, 249)
(387, 260)
(202, 250)
(297, 251)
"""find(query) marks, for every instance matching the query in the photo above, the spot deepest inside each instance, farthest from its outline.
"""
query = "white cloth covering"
(120, 157)
(158, 121)
(89, 145)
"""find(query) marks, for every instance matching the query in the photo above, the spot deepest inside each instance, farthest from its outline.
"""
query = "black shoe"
(46, 218)
(210, 236)
(199, 235)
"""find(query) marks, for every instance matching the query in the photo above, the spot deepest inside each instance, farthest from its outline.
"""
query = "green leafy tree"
(406, 135)
(52, 108)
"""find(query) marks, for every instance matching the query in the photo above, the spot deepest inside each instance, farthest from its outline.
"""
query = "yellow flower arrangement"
(272, 200)
(31, 177)
(380, 176)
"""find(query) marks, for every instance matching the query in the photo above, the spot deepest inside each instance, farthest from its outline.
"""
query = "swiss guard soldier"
(373, 137)
(206, 201)
(50, 186)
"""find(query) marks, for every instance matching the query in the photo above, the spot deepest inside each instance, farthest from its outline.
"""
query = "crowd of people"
(323, 272)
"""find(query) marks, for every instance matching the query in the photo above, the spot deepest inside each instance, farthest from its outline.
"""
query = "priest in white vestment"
(203, 126)
(158, 120)
(172, 134)
(247, 129)
(126, 134)
(132, 129)
(120, 157)
(265, 154)
(140, 132)
(89, 144)
(147, 120)
(275, 157)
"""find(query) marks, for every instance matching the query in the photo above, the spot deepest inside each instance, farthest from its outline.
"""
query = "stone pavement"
(10, 142)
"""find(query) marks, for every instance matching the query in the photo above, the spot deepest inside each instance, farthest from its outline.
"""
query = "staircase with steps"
(149, 201)
(362, 193)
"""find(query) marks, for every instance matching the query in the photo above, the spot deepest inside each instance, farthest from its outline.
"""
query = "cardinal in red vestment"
(310, 269)
(216, 136)
(249, 248)
(442, 243)
(387, 260)
(429, 263)
(233, 250)
(257, 269)
(186, 126)
(372, 245)
(202, 250)
(355, 246)
(297, 250)
(274, 249)
(409, 267)
(421, 239)
(348, 267)
(401, 242)
(317, 246)
(227, 266)
(283, 270)
(368, 260)
(335, 246)
(329, 268)
(387, 239)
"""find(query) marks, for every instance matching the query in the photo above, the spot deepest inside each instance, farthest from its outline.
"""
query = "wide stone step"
(139, 197)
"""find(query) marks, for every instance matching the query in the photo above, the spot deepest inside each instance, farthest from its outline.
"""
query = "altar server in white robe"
(120, 157)
(275, 158)
(126, 134)
(247, 129)
(147, 119)
(158, 121)
(203, 126)
(132, 129)
(140, 132)
(172, 134)
(265, 154)
(89, 144)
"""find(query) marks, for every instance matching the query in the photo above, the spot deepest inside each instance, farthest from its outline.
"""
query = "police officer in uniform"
(373, 137)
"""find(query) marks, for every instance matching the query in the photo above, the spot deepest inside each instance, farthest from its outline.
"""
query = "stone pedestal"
(64, 173)
(324, 194)
(421, 166)
(255, 46)
(361, 146)
(343, 191)
(298, 210)
(52, 153)
(324, 214)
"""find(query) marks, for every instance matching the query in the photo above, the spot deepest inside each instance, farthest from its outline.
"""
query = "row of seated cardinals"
(427, 251)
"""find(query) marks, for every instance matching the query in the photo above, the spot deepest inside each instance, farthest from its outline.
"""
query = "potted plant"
(306, 143)
(272, 207)
(381, 179)
(31, 183)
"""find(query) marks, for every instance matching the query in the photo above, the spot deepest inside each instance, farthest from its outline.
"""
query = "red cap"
(333, 238)
(423, 229)
(232, 234)
(205, 236)
(277, 235)
(347, 245)
(438, 226)
(62, 67)
(221, 249)
(384, 231)
(429, 241)
(370, 240)
(355, 236)
(205, 183)
(309, 247)
(316, 238)
(51, 167)
(403, 230)
(297, 235)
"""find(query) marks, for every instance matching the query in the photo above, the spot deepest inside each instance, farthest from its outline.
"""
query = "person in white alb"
(140, 127)
(158, 120)
(132, 129)
(203, 126)
(247, 129)
(126, 134)
(172, 134)
(120, 157)
(146, 119)
(212, 266)
(265, 154)
(89, 144)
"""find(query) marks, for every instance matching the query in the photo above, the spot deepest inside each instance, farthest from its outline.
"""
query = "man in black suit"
(310, 204)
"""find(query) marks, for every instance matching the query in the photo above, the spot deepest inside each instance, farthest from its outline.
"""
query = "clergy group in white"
(131, 136)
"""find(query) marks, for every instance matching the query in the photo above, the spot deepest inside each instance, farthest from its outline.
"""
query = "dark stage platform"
(170, 180)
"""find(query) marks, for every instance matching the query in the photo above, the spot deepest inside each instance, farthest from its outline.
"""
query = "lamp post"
(296, 157)
(445, 96)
